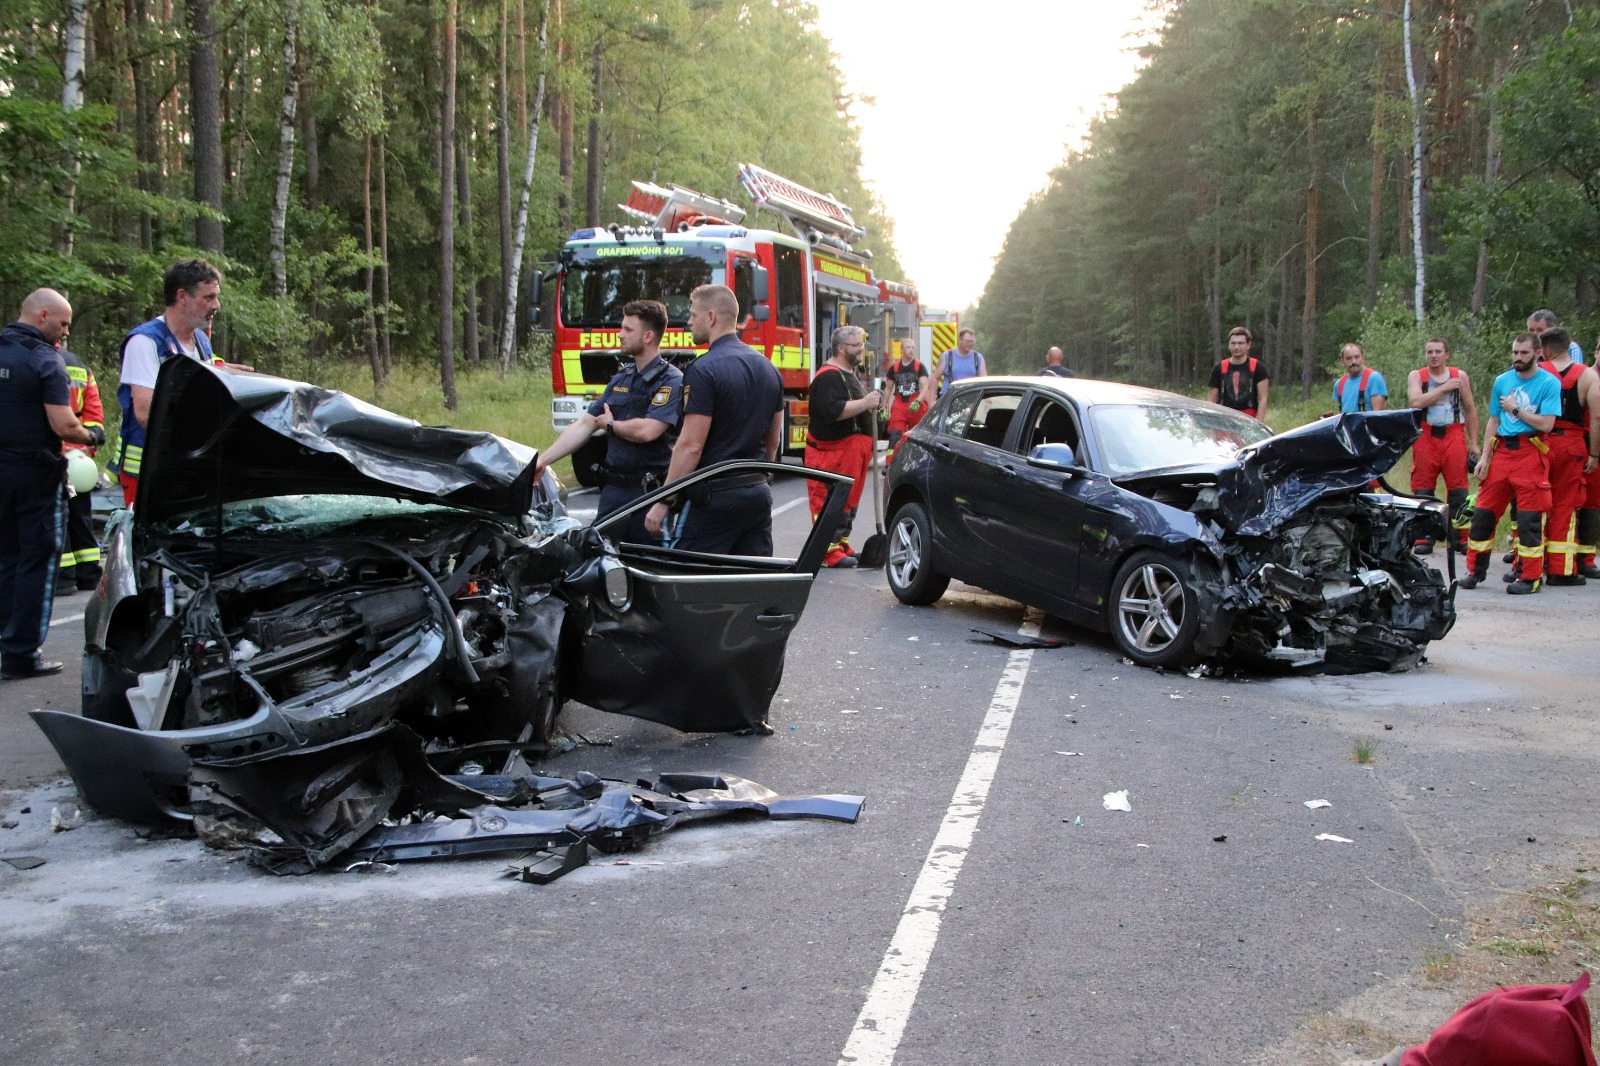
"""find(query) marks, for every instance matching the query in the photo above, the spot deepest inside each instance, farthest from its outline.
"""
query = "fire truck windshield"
(593, 291)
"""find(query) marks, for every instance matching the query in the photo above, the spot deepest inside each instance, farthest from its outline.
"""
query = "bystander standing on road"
(1448, 445)
(908, 382)
(35, 418)
(1054, 366)
(80, 552)
(1359, 388)
(1570, 532)
(960, 362)
(639, 410)
(840, 437)
(1544, 319)
(1240, 381)
(1523, 405)
(192, 289)
(733, 409)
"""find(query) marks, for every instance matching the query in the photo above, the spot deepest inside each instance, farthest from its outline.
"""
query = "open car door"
(697, 641)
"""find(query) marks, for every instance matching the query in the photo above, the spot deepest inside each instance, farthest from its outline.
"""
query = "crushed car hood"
(1275, 480)
(219, 436)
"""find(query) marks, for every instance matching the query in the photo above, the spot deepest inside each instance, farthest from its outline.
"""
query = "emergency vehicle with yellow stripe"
(794, 288)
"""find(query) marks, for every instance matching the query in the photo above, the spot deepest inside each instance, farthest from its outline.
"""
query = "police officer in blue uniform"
(35, 417)
(640, 411)
(732, 409)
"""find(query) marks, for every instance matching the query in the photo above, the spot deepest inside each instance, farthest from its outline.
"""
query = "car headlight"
(565, 407)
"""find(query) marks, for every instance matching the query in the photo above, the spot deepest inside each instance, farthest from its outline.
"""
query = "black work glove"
(97, 436)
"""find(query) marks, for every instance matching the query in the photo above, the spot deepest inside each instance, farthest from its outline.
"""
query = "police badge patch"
(663, 394)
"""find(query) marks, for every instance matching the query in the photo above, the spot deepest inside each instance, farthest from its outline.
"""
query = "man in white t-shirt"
(192, 289)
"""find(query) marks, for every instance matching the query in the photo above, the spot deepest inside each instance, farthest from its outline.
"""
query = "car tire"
(105, 691)
(1154, 609)
(586, 462)
(909, 566)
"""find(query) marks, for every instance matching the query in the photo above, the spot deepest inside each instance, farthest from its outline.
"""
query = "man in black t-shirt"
(1239, 381)
(1053, 365)
(840, 439)
(907, 381)
(732, 409)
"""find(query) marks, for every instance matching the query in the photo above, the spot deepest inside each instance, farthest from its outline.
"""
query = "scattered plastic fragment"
(1069, 753)
(553, 864)
(372, 866)
(1015, 640)
(9, 823)
(1388, 725)
(1330, 838)
(849, 710)
(65, 817)
(22, 862)
(1117, 801)
(794, 727)
(1145, 846)
(1077, 819)
(1223, 839)
(1317, 805)
(913, 638)
(1174, 695)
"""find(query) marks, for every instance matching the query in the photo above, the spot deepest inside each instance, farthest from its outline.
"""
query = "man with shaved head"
(35, 417)
(732, 409)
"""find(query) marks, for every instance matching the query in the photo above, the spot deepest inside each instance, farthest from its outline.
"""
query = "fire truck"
(793, 287)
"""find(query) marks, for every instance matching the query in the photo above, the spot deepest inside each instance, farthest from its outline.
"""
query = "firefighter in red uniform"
(80, 555)
(1569, 448)
(1444, 393)
(840, 436)
(908, 382)
(1524, 404)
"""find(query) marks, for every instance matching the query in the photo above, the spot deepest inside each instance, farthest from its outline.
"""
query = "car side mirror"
(1055, 457)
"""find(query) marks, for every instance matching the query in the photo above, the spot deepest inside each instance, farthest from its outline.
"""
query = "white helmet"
(82, 471)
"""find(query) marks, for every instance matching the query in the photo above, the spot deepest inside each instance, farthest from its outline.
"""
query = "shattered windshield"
(594, 291)
(1139, 437)
(306, 516)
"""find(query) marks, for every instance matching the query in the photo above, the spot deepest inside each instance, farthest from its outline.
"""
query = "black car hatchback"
(1185, 529)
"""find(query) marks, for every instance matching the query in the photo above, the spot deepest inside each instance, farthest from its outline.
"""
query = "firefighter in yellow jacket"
(80, 554)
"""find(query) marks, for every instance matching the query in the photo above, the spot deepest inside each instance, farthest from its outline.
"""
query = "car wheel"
(1154, 611)
(105, 691)
(912, 577)
(586, 462)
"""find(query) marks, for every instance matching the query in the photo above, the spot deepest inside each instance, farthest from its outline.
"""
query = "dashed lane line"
(876, 1037)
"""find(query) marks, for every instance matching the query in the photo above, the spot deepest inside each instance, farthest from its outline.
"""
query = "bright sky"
(976, 103)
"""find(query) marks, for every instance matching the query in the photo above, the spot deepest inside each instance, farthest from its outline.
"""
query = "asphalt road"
(1053, 930)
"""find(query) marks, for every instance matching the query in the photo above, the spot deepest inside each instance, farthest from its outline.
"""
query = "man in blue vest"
(1361, 388)
(192, 289)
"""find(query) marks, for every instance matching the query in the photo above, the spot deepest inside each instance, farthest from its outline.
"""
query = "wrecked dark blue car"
(1184, 529)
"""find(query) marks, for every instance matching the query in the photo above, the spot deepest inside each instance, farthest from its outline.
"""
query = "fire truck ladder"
(676, 208)
(809, 213)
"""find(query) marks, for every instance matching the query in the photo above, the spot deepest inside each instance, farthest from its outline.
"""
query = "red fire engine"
(794, 288)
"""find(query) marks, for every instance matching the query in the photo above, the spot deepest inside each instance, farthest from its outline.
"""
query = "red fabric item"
(1525, 474)
(1432, 456)
(130, 488)
(1530, 1025)
(1567, 490)
(900, 416)
(850, 456)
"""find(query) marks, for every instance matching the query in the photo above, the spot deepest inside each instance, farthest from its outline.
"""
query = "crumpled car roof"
(247, 436)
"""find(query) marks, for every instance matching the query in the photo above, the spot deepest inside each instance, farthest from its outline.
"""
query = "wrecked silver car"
(1186, 530)
(318, 611)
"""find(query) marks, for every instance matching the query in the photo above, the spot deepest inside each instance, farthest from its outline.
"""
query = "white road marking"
(876, 1037)
(63, 621)
(776, 511)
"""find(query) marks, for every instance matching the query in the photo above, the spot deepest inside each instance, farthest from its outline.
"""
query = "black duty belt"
(702, 492)
(647, 480)
(1441, 431)
(1514, 441)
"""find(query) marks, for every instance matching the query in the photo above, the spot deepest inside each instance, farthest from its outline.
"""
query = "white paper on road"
(1330, 838)
(1317, 805)
(1117, 801)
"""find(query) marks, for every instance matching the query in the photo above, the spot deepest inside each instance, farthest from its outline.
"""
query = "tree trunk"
(502, 143)
(1214, 303)
(280, 203)
(205, 110)
(592, 173)
(72, 69)
(383, 256)
(447, 232)
(144, 119)
(1375, 206)
(469, 313)
(508, 333)
(308, 131)
(369, 315)
(563, 117)
(1491, 170)
(1418, 208)
(1308, 312)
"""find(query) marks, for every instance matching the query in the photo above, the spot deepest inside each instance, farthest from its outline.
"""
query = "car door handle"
(1006, 471)
(941, 448)
(774, 619)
